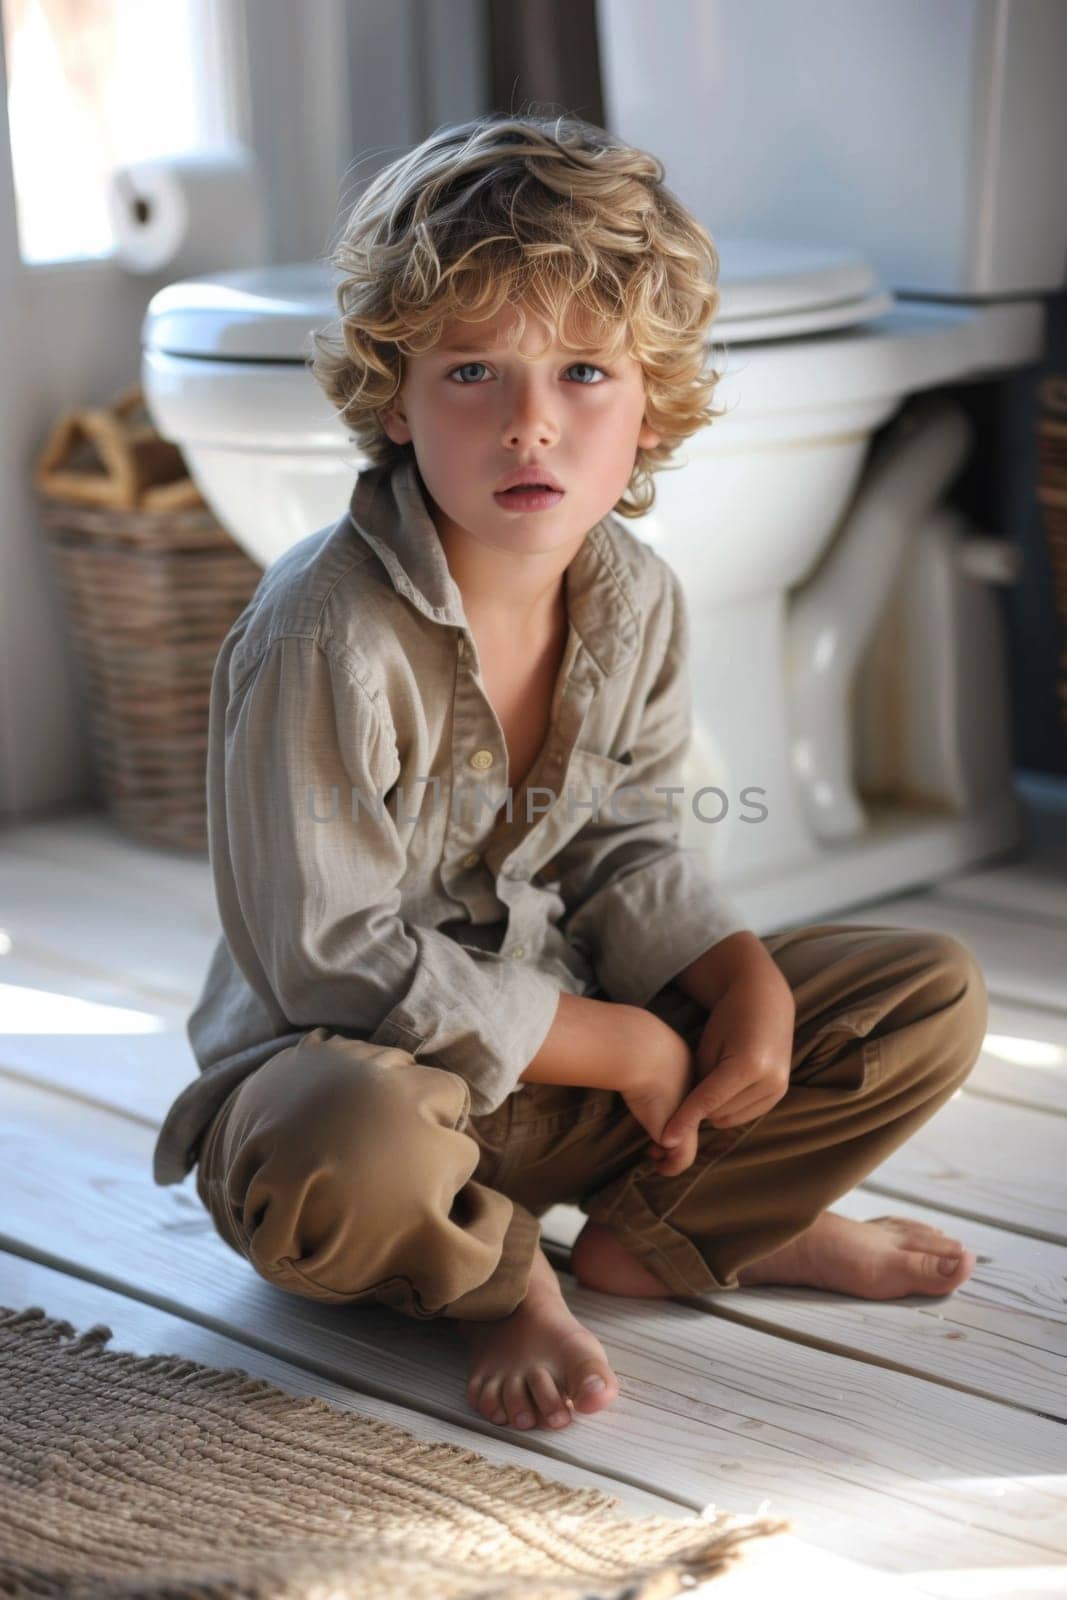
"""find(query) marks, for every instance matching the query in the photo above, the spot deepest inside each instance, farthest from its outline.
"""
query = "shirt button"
(472, 860)
(553, 760)
(518, 952)
(481, 759)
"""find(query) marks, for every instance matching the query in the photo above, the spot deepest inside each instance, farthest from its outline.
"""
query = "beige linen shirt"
(355, 769)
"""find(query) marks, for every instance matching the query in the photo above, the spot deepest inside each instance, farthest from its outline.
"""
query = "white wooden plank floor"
(919, 1445)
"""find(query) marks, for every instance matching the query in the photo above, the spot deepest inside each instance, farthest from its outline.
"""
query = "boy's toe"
(489, 1402)
(939, 1272)
(550, 1402)
(592, 1387)
(520, 1406)
(474, 1392)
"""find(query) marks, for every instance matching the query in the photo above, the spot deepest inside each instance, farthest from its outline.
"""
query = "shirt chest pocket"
(584, 797)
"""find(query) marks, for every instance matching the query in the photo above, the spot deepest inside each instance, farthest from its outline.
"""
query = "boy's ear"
(648, 438)
(395, 424)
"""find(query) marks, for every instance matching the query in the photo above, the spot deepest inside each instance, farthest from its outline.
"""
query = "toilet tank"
(929, 135)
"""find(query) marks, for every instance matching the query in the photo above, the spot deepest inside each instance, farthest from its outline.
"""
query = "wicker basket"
(1052, 498)
(151, 583)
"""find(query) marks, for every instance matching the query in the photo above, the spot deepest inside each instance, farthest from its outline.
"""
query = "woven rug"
(125, 1475)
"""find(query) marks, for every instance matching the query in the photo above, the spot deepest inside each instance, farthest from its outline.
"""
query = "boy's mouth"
(528, 497)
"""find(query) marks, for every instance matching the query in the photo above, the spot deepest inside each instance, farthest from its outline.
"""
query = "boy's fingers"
(674, 1162)
(753, 1092)
(682, 1155)
(735, 1107)
(678, 1143)
(703, 1103)
(685, 1116)
(760, 1095)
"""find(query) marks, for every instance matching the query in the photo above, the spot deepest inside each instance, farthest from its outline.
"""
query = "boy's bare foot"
(530, 1367)
(881, 1259)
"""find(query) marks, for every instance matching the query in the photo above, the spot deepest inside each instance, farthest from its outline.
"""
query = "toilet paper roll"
(189, 214)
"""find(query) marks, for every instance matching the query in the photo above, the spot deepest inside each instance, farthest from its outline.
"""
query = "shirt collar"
(388, 510)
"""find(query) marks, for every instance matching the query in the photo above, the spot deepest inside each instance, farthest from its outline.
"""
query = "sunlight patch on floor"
(1024, 1052)
(976, 1583)
(27, 1011)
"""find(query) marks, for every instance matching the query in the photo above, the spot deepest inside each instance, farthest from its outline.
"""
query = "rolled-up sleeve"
(640, 905)
(313, 874)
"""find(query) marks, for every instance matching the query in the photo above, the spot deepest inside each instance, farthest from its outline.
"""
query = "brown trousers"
(347, 1171)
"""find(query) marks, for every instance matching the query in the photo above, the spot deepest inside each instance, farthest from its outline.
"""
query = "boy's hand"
(742, 1065)
(659, 1071)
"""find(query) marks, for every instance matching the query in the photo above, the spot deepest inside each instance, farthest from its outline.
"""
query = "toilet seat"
(770, 290)
(250, 314)
(225, 360)
(775, 290)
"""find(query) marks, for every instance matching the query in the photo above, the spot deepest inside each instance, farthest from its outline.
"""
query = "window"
(94, 84)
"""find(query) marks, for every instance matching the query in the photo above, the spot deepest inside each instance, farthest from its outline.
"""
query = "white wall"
(326, 94)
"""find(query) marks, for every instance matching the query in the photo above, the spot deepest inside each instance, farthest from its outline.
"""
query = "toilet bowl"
(789, 556)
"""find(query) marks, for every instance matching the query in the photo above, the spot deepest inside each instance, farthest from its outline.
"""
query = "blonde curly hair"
(550, 213)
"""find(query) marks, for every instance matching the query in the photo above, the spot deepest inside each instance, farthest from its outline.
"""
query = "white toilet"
(841, 622)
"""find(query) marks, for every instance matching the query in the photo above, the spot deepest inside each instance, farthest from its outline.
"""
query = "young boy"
(463, 976)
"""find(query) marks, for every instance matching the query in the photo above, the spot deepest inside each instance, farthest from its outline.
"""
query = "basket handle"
(140, 468)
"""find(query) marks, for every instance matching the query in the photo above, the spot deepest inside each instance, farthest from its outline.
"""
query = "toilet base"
(905, 846)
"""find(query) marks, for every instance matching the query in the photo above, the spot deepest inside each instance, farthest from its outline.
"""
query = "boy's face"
(477, 414)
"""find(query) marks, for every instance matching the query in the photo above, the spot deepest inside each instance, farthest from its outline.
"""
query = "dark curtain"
(544, 58)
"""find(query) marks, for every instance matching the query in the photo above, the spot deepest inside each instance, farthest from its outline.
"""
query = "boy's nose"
(530, 423)
(530, 412)
(541, 436)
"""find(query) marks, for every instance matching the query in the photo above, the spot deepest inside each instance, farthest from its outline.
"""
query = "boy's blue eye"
(589, 367)
(467, 365)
